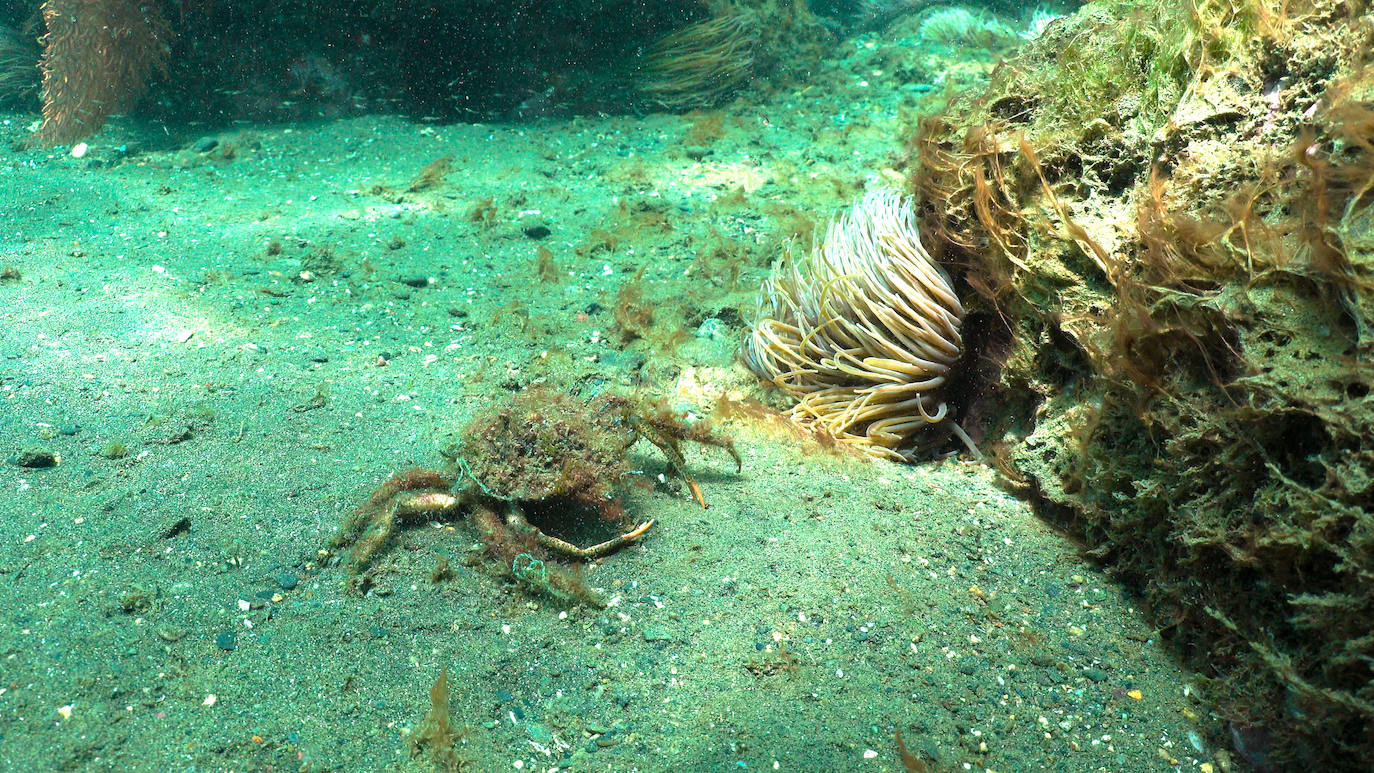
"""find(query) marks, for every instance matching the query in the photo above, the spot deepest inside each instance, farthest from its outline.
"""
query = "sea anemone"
(863, 332)
(18, 68)
(962, 27)
(703, 64)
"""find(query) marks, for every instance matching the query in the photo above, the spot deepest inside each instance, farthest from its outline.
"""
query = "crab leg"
(515, 518)
(675, 458)
(696, 490)
(430, 504)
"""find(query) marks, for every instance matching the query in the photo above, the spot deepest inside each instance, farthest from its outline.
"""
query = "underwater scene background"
(694, 385)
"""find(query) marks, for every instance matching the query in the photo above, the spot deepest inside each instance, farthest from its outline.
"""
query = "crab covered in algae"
(542, 457)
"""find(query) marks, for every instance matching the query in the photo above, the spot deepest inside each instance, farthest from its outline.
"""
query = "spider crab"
(542, 452)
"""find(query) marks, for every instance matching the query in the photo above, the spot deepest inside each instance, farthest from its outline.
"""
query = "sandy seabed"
(225, 342)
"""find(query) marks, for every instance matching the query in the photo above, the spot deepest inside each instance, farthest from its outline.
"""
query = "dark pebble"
(174, 528)
(418, 280)
(227, 641)
(206, 144)
(1095, 674)
(34, 458)
(538, 232)
(286, 580)
(69, 429)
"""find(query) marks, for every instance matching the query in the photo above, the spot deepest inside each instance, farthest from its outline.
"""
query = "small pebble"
(169, 632)
(609, 739)
(227, 641)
